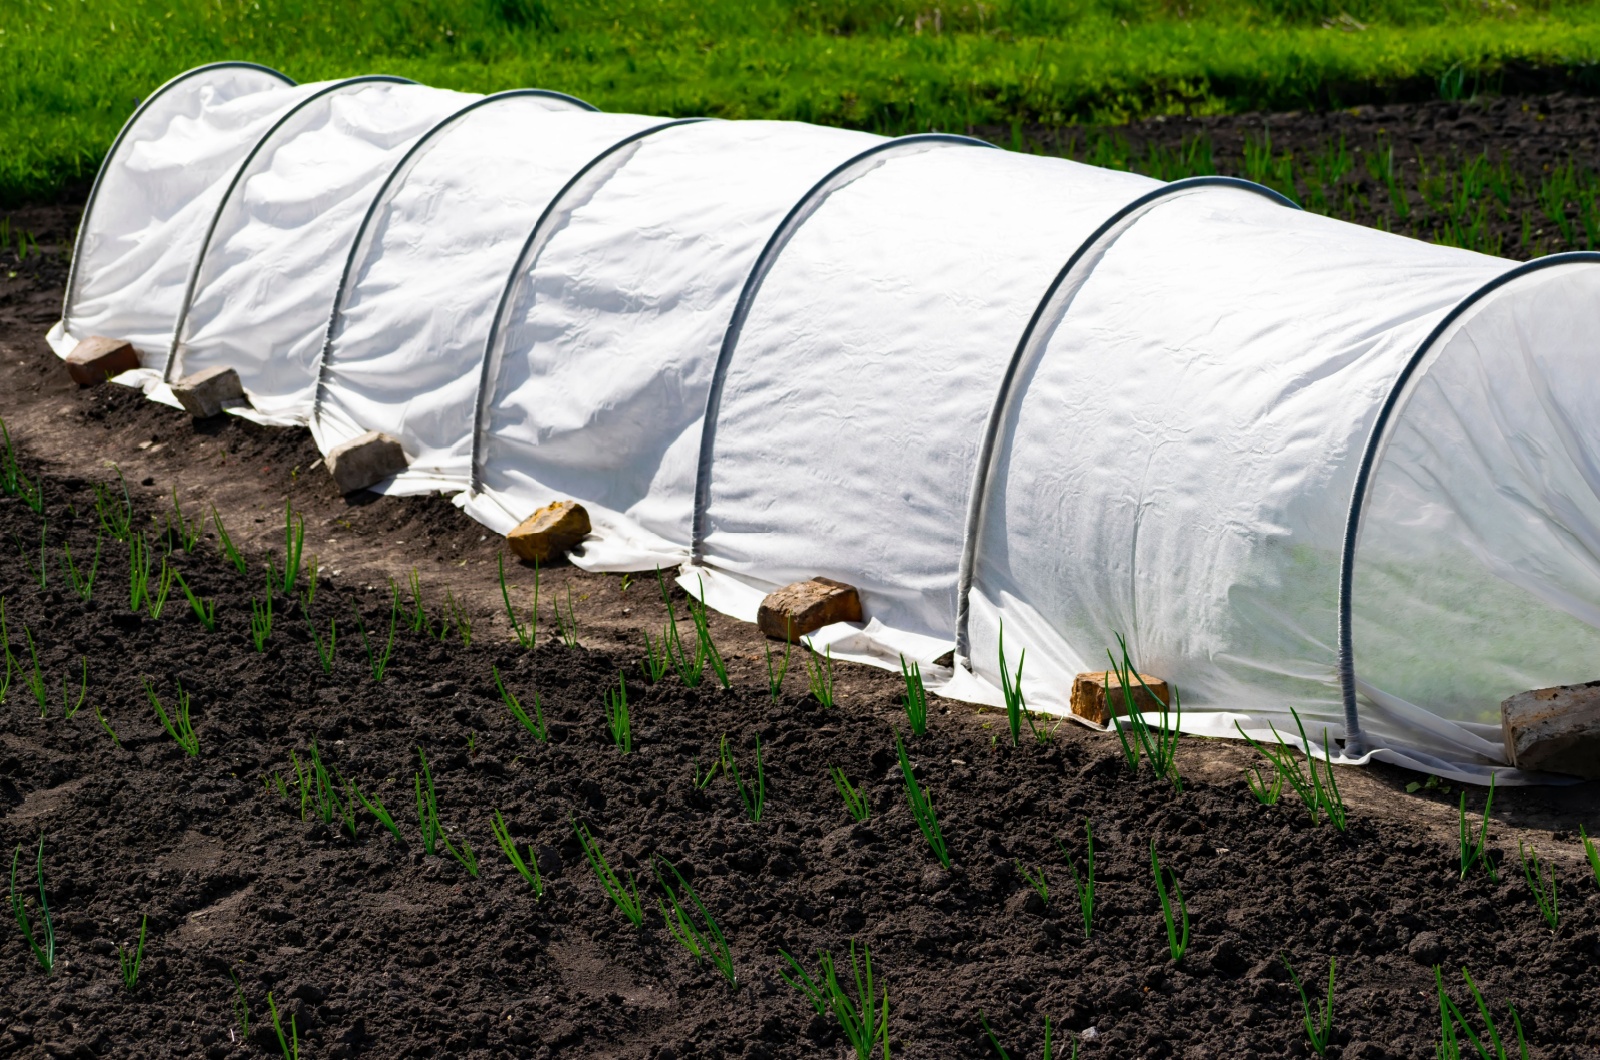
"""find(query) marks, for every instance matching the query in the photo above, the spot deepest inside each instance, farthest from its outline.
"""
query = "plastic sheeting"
(1296, 462)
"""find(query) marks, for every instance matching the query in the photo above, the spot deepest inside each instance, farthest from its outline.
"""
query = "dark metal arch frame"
(1031, 346)
(397, 175)
(116, 145)
(1372, 454)
(844, 173)
(233, 184)
(537, 238)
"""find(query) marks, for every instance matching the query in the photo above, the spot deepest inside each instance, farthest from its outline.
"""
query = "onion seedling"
(1177, 926)
(1451, 1020)
(433, 835)
(139, 560)
(916, 697)
(820, 676)
(43, 947)
(566, 627)
(83, 584)
(535, 725)
(261, 617)
(704, 647)
(13, 481)
(105, 725)
(754, 796)
(854, 801)
(378, 810)
(5, 649)
(1049, 1044)
(626, 899)
(241, 1007)
(458, 618)
(294, 539)
(157, 602)
(529, 869)
(204, 610)
(704, 939)
(690, 669)
(1084, 884)
(1318, 1022)
(43, 575)
(775, 676)
(528, 636)
(618, 720)
(417, 613)
(1011, 689)
(1475, 852)
(1036, 880)
(70, 712)
(188, 530)
(179, 726)
(865, 1025)
(1541, 877)
(228, 550)
(116, 518)
(325, 646)
(655, 664)
(1267, 794)
(378, 665)
(310, 595)
(1159, 745)
(1588, 844)
(922, 808)
(290, 1046)
(131, 962)
(35, 680)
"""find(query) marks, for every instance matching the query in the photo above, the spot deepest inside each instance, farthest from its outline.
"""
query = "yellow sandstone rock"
(805, 607)
(553, 530)
(1089, 695)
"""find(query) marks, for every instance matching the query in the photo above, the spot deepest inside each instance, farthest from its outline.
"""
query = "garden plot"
(246, 801)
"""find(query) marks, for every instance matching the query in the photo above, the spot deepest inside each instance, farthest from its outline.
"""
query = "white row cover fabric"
(1297, 463)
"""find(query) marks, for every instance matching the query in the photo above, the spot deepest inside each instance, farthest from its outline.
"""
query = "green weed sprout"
(1177, 926)
(566, 625)
(43, 946)
(820, 676)
(865, 1025)
(1452, 1021)
(83, 584)
(703, 939)
(922, 808)
(1049, 1044)
(1084, 884)
(1474, 851)
(294, 539)
(916, 697)
(290, 1046)
(1541, 877)
(625, 898)
(1036, 880)
(69, 712)
(178, 725)
(528, 636)
(535, 725)
(132, 961)
(325, 646)
(228, 549)
(854, 801)
(529, 869)
(374, 805)
(704, 647)
(1318, 1021)
(1159, 745)
(241, 1007)
(35, 679)
(618, 721)
(776, 675)
(378, 665)
(1588, 844)
(754, 796)
(204, 610)
(261, 617)
(188, 530)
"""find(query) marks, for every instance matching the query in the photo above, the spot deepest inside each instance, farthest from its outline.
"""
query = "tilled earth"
(374, 948)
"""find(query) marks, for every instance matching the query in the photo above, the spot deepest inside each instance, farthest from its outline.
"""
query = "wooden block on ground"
(1556, 730)
(365, 460)
(553, 530)
(205, 394)
(98, 358)
(1090, 692)
(805, 607)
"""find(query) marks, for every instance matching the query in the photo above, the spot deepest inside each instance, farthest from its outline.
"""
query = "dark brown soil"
(378, 950)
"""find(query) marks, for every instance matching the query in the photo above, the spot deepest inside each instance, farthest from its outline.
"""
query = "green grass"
(70, 71)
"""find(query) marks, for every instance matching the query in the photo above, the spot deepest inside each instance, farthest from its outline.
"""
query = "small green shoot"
(535, 725)
(35, 679)
(290, 1046)
(689, 668)
(1049, 1044)
(69, 708)
(916, 701)
(204, 610)
(1475, 852)
(374, 805)
(187, 530)
(529, 869)
(704, 938)
(775, 675)
(294, 539)
(1177, 925)
(458, 618)
(1266, 793)
(1541, 877)
(43, 947)
(1036, 880)
(1011, 689)
(433, 834)
(417, 613)
(228, 550)
(116, 517)
(626, 898)
(865, 1025)
(131, 961)
(1084, 883)
(819, 675)
(618, 721)
(922, 808)
(754, 796)
(325, 646)
(83, 584)
(655, 663)
(1588, 844)
(139, 560)
(1451, 1021)
(241, 1007)
(566, 625)
(178, 726)
(378, 665)
(261, 617)
(105, 725)
(704, 647)
(526, 636)
(1318, 1021)
(1159, 744)
(855, 801)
